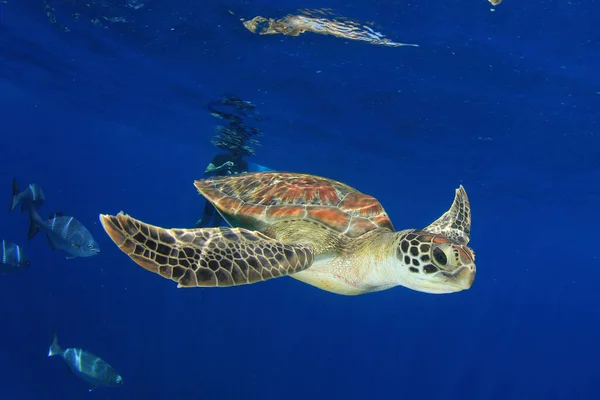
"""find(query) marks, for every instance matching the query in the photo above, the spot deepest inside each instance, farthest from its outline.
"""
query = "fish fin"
(92, 387)
(50, 243)
(15, 195)
(70, 257)
(54, 349)
(33, 229)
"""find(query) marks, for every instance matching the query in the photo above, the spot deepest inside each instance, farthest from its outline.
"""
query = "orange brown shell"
(259, 200)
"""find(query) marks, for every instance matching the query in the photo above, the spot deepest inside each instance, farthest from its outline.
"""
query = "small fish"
(12, 258)
(86, 366)
(64, 233)
(32, 195)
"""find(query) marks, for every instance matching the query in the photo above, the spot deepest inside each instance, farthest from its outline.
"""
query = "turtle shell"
(259, 200)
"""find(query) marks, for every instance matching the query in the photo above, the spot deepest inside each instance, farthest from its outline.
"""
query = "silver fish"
(64, 233)
(12, 258)
(32, 195)
(86, 366)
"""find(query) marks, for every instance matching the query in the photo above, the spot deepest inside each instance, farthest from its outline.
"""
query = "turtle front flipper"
(456, 222)
(206, 257)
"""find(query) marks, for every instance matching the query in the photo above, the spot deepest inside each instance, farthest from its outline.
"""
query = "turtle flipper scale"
(206, 257)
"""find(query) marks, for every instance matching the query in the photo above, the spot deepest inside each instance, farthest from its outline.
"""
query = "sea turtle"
(314, 229)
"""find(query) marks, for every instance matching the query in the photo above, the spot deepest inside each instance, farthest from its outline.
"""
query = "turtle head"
(437, 258)
(433, 263)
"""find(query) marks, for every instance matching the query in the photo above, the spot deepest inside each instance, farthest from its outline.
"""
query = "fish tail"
(33, 223)
(54, 349)
(15, 195)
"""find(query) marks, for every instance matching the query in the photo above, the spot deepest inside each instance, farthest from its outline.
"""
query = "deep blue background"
(110, 119)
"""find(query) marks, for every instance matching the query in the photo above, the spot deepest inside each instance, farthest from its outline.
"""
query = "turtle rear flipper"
(206, 257)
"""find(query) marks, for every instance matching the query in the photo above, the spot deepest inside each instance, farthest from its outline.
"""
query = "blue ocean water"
(112, 116)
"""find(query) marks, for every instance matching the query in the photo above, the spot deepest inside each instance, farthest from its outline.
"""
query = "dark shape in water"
(236, 137)
(239, 104)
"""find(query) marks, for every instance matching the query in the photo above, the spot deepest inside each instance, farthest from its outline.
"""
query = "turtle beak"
(465, 277)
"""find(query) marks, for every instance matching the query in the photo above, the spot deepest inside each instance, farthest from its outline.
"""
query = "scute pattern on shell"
(259, 200)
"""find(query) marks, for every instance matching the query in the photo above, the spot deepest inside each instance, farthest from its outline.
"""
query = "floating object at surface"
(321, 22)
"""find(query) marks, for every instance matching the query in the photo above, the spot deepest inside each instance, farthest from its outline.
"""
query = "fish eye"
(440, 256)
(90, 246)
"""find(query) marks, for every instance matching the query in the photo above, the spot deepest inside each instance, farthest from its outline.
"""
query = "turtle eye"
(440, 256)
